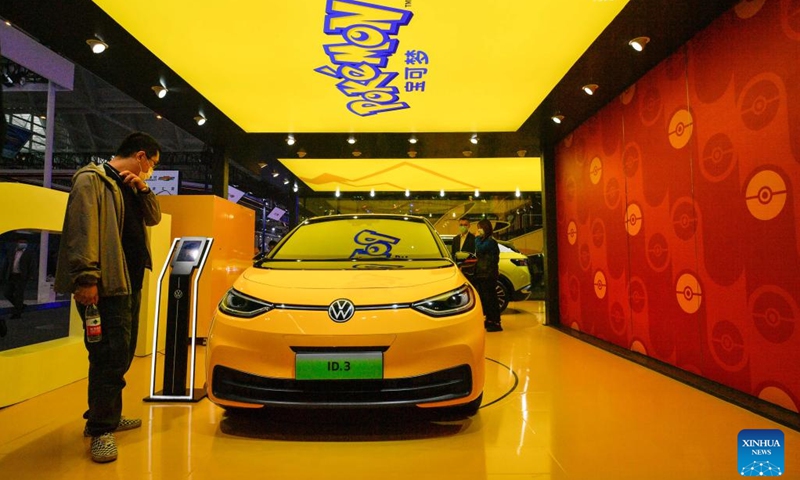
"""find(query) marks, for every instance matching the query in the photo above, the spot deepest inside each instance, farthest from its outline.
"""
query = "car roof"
(376, 216)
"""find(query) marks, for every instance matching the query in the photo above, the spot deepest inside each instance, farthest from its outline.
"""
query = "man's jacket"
(91, 239)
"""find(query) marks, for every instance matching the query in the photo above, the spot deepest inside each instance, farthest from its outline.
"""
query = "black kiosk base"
(181, 334)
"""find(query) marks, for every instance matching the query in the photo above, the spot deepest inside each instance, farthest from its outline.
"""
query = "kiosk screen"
(190, 251)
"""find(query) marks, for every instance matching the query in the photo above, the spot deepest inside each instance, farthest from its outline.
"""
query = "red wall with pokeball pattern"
(679, 208)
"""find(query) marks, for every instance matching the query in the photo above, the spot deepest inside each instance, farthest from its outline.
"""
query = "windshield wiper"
(375, 266)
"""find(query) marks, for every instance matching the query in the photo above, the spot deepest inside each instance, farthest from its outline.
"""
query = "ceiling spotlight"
(467, 152)
(521, 152)
(161, 91)
(441, 193)
(517, 193)
(158, 116)
(98, 46)
(351, 139)
(295, 188)
(557, 118)
(262, 164)
(286, 181)
(201, 120)
(474, 139)
(290, 139)
(638, 43)
(337, 192)
(372, 192)
(590, 88)
(275, 174)
(412, 139)
(301, 153)
(412, 153)
(408, 192)
(356, 153)
(477, 193)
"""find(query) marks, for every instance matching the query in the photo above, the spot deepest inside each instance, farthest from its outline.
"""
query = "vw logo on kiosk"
(341, 310)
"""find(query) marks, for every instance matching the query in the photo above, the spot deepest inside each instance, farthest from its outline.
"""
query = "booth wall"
(35, 369)
(231, 226)
(678, 209)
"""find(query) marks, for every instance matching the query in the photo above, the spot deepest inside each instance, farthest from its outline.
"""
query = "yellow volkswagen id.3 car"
(350, 311)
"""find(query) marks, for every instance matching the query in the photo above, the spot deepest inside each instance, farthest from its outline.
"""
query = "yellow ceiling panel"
(419, 175)
(402, 65)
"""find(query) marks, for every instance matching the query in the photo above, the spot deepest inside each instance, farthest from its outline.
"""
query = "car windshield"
(361, 238)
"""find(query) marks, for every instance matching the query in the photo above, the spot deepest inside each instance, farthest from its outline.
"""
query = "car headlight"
(450, 303)
(240, 305)
(520, 262)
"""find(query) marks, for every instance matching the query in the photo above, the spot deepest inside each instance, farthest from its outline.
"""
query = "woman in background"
(486, 274)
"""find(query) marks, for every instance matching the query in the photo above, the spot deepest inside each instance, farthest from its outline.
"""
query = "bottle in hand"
(94, 332)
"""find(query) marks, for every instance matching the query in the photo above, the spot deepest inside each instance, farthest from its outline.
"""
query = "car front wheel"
(503, 294)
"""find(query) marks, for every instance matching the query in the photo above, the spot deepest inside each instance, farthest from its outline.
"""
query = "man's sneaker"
(104, 448)
(124, 424)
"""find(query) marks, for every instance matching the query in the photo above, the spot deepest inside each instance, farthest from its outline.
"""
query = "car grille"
(233, 385)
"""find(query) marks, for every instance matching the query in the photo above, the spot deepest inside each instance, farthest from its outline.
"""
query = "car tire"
(503, 294)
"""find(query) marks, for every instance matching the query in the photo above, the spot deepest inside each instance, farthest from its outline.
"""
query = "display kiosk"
(185, 267)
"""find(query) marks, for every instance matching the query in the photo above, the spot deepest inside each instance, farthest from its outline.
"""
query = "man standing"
(101, 260)
(464, 241)
(18, 271)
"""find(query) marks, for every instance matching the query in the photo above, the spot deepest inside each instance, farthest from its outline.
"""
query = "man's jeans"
(109, 360)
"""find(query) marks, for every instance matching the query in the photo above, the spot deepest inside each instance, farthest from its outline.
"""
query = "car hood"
(364, 284)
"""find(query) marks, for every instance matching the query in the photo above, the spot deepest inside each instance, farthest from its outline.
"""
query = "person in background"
(19, 269)
(103, 254)
(486, 275)
(464, 241)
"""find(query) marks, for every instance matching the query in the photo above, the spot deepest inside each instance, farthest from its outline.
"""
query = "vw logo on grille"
(178, 293)
(341, 310)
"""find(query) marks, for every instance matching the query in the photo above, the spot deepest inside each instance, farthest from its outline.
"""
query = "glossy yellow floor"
(554, 408)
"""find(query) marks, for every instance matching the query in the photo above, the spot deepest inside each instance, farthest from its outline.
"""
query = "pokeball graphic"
(570, 189)
(748, 8)
(680, 129)
(658, 252)
(684, 218)
(600, 285)
(759, 102)
(598, 233)
(572, 233)
(633, 219)
(616, 318)
(790, 19)
(574, 288)
(765, 195)
(595, 170)
(631, 157)
(689, 293)
(650, 106)
(727, 346)
(638, 295)
(613, 193)
(627, 96)
(584, 256)
(717, 161)
(774, 313)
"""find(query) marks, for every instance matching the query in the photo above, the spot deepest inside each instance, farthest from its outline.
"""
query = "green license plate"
(339, 366)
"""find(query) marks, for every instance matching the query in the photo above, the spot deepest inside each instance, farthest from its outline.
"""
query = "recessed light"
(160, 91)
(590, 88)
(351, 139)
(98, 46)
(639, 43)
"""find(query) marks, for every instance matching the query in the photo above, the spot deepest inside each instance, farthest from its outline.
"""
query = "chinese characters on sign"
(414, 74)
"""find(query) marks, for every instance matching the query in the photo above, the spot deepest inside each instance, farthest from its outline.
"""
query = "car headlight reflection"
(450, 303)
(240, 305)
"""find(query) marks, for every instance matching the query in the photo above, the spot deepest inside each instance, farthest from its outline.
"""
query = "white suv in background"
(514, 282)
